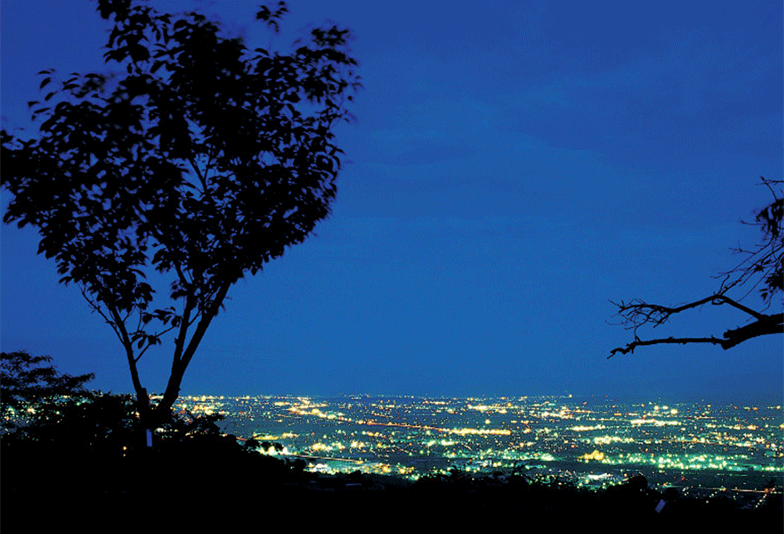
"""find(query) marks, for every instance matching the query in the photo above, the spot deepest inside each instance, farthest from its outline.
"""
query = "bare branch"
(762, 267)
(764, 325)
(637, 313)
(671, 340)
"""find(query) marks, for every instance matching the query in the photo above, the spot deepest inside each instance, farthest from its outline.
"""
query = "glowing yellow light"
(595, 455)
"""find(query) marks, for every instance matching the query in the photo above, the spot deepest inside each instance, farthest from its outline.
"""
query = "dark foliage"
(202, 159)
(237, 488)
(80, 458)
(32, 391)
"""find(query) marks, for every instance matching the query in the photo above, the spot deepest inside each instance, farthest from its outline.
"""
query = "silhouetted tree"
(62, 446)
(41, 405)
(762, 269)
(32, 390)
(202, 160)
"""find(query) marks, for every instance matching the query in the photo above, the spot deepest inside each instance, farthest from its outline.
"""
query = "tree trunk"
(160, 413)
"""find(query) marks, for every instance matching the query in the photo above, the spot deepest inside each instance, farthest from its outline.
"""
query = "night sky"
(513, 167)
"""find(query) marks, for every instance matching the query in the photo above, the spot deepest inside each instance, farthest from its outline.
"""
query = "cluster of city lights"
(593, 441)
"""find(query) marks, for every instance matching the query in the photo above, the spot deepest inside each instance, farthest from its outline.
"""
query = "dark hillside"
(219, 485)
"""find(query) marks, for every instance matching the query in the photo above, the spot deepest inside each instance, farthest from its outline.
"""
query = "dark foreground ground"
(356, 509)
(198, 493)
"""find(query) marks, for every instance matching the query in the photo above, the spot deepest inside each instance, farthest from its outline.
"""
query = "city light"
(686, 446)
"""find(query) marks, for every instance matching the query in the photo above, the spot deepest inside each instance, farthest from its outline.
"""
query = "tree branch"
(671, 340)
(179, 365)
(185, 323)
(96, 308)
(141, 393)
(764, 325)
(638, 313)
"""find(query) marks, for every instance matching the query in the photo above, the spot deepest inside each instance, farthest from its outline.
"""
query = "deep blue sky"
(513, 167)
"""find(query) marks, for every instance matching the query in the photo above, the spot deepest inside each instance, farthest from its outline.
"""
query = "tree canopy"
(761, 269)
(201, 159)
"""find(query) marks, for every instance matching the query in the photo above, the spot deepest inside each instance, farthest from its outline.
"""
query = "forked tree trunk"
(151, 416)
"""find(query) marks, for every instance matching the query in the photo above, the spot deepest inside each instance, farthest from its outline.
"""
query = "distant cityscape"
(698, 449)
